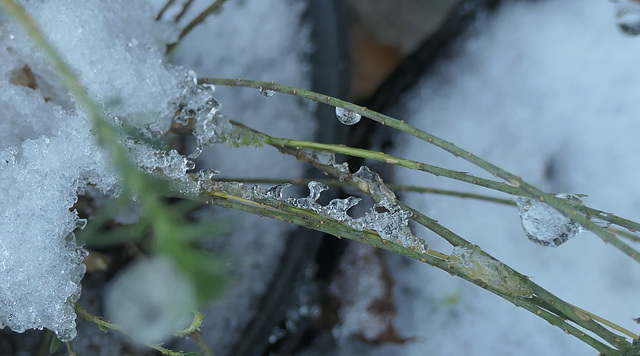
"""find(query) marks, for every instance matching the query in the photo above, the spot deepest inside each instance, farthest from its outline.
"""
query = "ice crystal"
(545, 225)
(488, 271)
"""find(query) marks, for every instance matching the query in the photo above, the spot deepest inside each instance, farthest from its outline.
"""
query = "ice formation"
(488, 271)
(385, 217)
(347, 117)
(50, 154)
(545, 225)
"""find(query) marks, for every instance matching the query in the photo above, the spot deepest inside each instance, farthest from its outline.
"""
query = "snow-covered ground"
(549, 91)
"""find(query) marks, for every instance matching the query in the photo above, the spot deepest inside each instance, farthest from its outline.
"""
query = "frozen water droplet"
(329, 159)
(337, 208)
(347, 117)
(207, 174)
(266, 92)
(189, 165)
(275, 192)
(371, 182)
(628, 16)
(81, 223)
(545, 225)
(493, 273)
(315, 188)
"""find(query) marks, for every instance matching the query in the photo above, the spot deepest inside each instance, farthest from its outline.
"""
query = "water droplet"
(628, 16)
(189, 165)
(347, 117)
(266, 92)
(545, 225)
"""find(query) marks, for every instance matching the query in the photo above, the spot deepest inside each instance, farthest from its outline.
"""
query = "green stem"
(538, 305)
(202, 344)
(515, 181)
(394, 187)
(195, 22)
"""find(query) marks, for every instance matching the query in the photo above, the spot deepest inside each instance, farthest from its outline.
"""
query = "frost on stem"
(198, 105)
(371, 182)
(488, 272)
(328, 159)
(385, 217)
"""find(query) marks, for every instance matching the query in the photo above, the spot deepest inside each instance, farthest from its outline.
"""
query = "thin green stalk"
(538, 305)
(185, 7)
(202, 344)
(393, 187)
(164, 9)
(105, 326)
(515, 181)
(195, 22)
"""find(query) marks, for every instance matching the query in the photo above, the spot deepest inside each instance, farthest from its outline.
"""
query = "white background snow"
(547, 90)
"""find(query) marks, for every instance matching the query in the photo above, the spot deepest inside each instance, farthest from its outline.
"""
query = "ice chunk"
(150, 300)
(386, 217)
(545, 225)
(371, 182)
(392, 224)
(337, 208)
(315, 189)
(488, 272)
(328, 159)
(347, 117)
(628, 16)
(275, 192)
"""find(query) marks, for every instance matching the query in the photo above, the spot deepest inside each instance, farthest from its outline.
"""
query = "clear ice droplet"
(267, 93)
(545, 225)
(347, 117)
(628, 16)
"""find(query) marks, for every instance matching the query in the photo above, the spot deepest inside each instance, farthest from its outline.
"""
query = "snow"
(50, 152)
(547, 90)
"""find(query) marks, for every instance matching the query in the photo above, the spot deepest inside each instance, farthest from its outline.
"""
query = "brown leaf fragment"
(24, 77)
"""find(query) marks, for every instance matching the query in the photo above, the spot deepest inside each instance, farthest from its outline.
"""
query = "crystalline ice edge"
(385, 217)
(545, 225)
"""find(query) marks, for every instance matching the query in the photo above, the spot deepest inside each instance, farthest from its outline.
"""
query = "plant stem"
(525, 188)
(394, 187)
(195, 22)
(202, 345)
